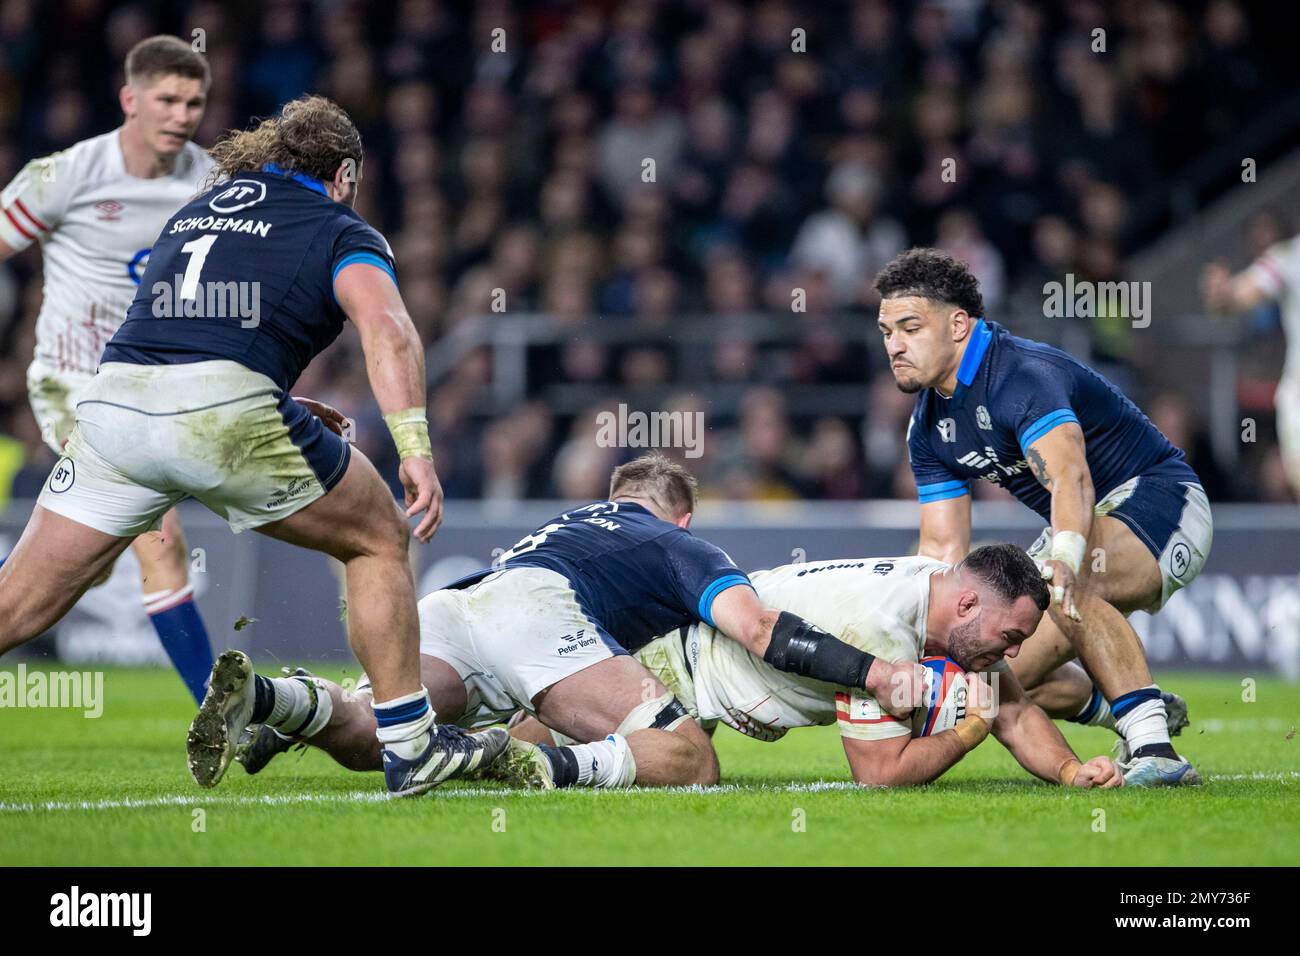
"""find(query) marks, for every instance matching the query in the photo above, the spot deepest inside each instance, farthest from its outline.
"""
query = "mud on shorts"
(53, 396)
(149, 436)
(1170, 516)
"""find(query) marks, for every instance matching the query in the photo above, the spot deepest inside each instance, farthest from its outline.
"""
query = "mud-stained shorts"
(148, 436)
(53, 396)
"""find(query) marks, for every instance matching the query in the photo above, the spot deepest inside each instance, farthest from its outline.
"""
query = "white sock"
(302, 706)
(404, 723)
(605, 763)
(1145, 723)
(1100, 716)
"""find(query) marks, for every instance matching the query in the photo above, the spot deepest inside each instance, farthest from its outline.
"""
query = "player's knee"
(398, 532)
(708, 770)
(164, 555)
(388, 535)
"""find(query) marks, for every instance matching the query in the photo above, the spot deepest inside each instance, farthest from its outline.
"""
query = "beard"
(963, 644)
(910, 385)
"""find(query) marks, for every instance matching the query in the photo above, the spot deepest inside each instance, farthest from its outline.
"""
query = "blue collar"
(311, 182)
(974, 355)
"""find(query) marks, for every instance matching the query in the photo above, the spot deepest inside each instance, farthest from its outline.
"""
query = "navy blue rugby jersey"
(635, 575)
(1011, 392)
(246, 273)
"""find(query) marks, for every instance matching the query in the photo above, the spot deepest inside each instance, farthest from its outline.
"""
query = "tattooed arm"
(1058, 461)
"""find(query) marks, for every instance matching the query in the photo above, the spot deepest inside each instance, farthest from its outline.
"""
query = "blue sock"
(185, 640)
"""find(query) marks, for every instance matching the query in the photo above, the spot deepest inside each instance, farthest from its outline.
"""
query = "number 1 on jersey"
(198, 250)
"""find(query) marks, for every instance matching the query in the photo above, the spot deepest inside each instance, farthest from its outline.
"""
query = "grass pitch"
(115, 791)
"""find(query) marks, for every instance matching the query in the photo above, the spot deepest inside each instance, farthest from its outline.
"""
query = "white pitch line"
(378, 796)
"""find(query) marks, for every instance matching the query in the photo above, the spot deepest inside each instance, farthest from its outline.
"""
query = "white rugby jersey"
(96, 224)
(878, 605)
(1277, 272)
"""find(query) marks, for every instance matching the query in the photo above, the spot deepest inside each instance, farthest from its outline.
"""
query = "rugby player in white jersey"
(96, 209)
(1273, 277)
(898, 609)
(976, 613)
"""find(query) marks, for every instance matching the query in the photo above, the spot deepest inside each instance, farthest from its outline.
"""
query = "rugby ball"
(945, 697)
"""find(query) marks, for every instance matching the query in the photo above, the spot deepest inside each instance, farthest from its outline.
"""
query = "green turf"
(57, 769)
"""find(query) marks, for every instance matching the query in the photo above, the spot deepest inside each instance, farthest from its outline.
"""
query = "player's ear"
(126, 97)
(961, 324)
(684, 521)
(344, 187)
(968, 602)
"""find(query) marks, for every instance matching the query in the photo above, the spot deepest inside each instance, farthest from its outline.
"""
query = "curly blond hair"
(311, 135)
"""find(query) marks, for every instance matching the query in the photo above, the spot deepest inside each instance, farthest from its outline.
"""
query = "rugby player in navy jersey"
(551, 626)
(245, 285)
(1129, 523)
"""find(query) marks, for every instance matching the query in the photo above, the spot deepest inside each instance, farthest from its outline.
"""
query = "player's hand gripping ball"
(945, 697)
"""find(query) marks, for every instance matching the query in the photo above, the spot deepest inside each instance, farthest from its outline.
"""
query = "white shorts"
(1287, 402)
(1171, 517)
(148, 436)
(510, 637)
(54, 396)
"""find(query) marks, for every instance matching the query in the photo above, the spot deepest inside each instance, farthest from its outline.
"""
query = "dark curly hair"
(1009, 572)
(934, 275)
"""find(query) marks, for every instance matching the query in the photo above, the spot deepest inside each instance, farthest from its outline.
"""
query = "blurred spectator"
(849, 239)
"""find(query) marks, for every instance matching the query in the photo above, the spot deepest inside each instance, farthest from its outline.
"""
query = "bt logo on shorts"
(1180, 559)
(62, 477)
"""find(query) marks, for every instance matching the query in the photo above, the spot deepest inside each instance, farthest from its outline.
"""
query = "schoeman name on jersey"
(258, 227)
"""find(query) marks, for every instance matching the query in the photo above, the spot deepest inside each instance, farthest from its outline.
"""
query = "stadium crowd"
(795, 147)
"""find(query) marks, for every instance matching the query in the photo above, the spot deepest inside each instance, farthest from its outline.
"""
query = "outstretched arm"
(1232, 294)
(1034, 740)
(902, 761)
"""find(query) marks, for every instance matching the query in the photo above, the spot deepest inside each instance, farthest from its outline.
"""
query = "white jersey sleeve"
(34, 203)
(1278, 268)
(878, 605)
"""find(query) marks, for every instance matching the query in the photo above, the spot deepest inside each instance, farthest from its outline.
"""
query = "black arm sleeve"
(798, 647)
